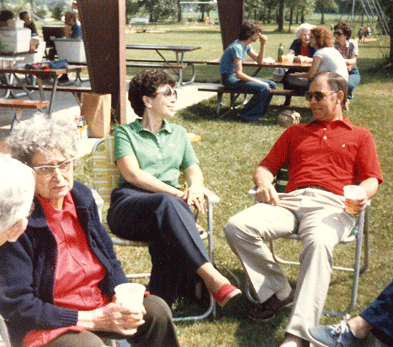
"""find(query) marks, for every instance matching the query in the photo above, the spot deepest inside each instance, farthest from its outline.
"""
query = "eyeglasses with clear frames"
(49, 170)
(167, 92)
(318, 95)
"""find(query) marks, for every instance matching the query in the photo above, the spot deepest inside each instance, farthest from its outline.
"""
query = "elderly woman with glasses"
(349, 50)
(301, 45)
(149, 204)
(326, 58)
(59, 278)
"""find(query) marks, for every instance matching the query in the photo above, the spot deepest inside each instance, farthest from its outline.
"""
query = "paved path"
(67, 107)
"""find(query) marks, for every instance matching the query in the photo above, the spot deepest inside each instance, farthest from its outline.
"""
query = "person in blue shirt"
(233, 76)
(75, 33)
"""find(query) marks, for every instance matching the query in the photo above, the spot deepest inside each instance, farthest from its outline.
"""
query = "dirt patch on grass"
(382, 92)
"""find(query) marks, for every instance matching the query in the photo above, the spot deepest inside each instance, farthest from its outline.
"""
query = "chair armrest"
(210, 196)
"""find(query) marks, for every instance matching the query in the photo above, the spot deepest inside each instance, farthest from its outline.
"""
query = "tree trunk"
(290, 19)
(322, 15)
(280, 15)
(391, 35)
(179, 12)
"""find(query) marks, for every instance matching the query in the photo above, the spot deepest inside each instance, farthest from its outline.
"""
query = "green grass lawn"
(229, 152)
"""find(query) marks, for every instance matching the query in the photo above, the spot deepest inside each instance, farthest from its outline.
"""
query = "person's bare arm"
(313, 69)
(259, 57)
(132, 173)
(193, 195)
(370, 186)
(266, 192)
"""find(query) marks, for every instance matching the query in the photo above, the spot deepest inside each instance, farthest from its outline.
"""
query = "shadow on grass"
(206, 111)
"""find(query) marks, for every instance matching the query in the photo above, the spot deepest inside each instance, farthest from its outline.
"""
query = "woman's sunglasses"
(167, 92)
(317, 95)
(338, 33)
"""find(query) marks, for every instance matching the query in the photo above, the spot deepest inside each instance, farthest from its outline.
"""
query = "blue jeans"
(353, 80)
(380, 314)
(258, 104)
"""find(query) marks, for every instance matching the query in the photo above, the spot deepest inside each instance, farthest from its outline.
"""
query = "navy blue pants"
(169, 225)
(380, 314)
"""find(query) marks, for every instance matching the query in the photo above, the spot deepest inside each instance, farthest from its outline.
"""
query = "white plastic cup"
(284, 59)
(303, 59)
(290, 57)
(130, 295)
(353, 194)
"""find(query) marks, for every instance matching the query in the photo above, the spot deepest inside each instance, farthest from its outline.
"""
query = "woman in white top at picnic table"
(326, 58)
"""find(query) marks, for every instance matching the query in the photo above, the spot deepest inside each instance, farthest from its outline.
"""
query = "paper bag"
(96, 108)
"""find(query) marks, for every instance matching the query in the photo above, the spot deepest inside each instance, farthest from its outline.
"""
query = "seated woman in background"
(349, 50)
(301, 45)
(326, 58)
(150, 205)
(28, 23)
(57, 285)
(16, 197)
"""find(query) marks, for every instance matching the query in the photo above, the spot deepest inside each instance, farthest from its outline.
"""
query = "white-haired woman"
(16, 197)
(57, 286)
(301, 45)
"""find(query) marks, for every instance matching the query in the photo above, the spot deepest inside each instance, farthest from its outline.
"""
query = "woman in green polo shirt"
(149, 204)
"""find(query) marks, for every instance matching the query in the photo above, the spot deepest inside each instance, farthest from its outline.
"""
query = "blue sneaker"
(338, 335)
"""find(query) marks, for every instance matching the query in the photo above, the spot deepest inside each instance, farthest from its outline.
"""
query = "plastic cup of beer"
(303, 59)
(290, 57)
(284, 59)
(130, 295)
(353, 194)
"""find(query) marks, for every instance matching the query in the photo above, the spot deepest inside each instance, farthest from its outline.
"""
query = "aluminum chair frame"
(4, 332)
(104, 181)
(359, 231)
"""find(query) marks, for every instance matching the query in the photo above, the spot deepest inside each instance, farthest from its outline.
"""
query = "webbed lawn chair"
(105, 174)
(4, 333)
(360, 229)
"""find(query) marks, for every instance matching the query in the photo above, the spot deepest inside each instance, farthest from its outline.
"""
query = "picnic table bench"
(220, 89)
(19, 105)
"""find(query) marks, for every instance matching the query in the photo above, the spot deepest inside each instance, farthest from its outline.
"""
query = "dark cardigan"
(28, 268)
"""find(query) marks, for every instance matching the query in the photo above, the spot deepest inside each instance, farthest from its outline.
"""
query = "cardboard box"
(15, 41)
(70, 49)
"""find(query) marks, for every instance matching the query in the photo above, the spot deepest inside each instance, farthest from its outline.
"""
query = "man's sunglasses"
(317, 95)
(338, 33)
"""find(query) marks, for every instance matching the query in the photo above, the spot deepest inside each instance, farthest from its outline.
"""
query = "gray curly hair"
(302, 27)
(16, 191)
(40, 134)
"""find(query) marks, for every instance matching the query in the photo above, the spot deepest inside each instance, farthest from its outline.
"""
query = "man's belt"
(314, 187)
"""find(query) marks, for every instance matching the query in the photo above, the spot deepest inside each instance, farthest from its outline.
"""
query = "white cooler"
(15, 40)
(70, 49)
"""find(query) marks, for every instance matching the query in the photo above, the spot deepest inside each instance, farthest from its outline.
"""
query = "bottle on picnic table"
(280, 52)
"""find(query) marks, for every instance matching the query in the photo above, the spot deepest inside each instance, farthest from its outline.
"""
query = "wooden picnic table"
(40, 74)
(251, 63)
(165, 63)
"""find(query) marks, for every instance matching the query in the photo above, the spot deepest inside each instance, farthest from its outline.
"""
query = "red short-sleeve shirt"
(331, 155)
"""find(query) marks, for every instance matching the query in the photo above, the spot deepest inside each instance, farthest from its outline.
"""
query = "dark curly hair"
(323, 37)
(146, 83)
(6, 15)
(345, 28)
(248, 29)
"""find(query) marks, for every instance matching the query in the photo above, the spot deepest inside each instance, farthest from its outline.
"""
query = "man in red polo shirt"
(323, 156)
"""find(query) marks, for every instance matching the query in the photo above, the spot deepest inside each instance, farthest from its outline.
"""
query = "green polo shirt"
(163, 155)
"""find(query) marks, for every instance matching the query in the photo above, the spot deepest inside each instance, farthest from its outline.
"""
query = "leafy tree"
(205, 8)
(160, 9)
(325, 5)
(58, 10)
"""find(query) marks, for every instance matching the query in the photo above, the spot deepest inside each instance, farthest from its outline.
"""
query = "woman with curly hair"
(149, 204)
(326, 58)
(349, 50)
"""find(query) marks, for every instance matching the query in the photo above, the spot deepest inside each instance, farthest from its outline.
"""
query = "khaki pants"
(320, 220)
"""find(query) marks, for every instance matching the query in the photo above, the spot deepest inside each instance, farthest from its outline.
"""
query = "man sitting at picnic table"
(323, 156)
(74, 32)
(233, 76)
